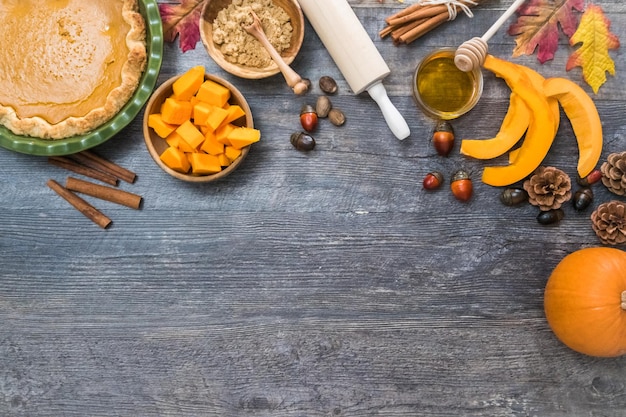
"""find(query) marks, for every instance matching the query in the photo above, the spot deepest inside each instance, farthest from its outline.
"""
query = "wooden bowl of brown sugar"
(238, 52)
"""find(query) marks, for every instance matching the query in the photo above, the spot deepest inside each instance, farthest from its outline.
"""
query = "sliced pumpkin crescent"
(583, 115)
(513, 126)
(541, 129)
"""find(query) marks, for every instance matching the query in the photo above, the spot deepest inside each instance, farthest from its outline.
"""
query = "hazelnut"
(323, 106)
(336, 117)
(328, 84)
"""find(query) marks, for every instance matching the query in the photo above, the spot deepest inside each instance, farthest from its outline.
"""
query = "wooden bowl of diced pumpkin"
(198, 127)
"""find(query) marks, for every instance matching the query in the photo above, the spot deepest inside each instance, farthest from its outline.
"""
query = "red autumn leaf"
(596, 39)
(537, 26)
(182, 20)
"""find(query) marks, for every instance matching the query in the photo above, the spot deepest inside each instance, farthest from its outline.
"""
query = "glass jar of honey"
(443, 91)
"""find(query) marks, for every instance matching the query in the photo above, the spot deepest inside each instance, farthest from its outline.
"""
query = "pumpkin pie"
(68, 66)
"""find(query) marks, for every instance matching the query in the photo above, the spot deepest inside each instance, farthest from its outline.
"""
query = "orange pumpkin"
(585, 301)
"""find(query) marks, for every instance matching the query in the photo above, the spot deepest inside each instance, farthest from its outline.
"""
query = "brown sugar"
(238, 46)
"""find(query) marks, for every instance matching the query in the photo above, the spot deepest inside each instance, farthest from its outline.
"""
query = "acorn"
(443, 137)
(461, 186)
(593, 177)
(550, 216)
(513, 196)
(583, 198)
(308, 118)
(302, 141)
(432, 180)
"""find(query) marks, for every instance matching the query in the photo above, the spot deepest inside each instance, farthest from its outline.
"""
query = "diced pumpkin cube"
(175, 159)
(240, 137)
(175, 112)
(213, 93)
(190, 134)
(216, 117)
(201, 112)
(203, 164)
(187, 85)
(196, 121)
(176, 140)
(221, 133)
(162, 129)
(224, 160)
(234, 112)
(205, 129)
(231, 153)
(211, 145)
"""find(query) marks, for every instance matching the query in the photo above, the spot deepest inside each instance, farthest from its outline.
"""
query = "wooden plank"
(304, 284)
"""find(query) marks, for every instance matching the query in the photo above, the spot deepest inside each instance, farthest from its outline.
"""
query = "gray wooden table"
(319, 284)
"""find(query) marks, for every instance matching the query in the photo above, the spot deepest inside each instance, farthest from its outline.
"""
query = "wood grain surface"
(326, 283)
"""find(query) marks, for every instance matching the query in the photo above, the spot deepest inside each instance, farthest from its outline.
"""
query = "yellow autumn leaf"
(592, 56)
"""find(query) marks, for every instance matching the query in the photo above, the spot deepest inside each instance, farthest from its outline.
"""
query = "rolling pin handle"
(392, 116)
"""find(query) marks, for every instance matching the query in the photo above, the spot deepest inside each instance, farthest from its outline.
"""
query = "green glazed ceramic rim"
(33, 146)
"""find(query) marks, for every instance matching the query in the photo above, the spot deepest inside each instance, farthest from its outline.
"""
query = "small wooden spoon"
(297, 83)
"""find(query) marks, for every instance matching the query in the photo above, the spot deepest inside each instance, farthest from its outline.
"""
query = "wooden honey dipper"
(472, 53)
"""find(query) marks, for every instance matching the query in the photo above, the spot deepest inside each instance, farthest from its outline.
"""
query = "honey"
(442, 90)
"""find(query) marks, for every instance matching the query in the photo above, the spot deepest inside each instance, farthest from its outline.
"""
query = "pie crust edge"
(132, 71)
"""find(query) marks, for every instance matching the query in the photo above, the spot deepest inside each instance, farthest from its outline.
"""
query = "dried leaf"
(182, 20)
(537, 26)
(596, 39)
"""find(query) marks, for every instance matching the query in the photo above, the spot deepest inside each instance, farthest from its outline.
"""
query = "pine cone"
(614, 173)
(548, 188)
(609, 222)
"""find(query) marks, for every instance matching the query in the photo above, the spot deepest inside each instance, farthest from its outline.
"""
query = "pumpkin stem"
(624, 300)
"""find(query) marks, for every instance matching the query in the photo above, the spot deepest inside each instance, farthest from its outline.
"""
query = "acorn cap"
(307, 108)
(459, 175)
(444, 126)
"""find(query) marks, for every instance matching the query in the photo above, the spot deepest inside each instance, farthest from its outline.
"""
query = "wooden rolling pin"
(355, 55)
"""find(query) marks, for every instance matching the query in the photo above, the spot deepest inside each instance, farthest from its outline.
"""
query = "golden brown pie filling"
(68, 66)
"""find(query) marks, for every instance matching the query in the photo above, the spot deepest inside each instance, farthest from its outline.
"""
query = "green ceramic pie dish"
(33, 146)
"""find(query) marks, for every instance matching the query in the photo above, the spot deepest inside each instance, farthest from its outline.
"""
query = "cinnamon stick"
(424, 11)
(81, 205)
(423, 28)
(402, 29)
(95, 161)
(415, 20)
(387, 30)
(69, 164)
(407, 10)
(103, 192)
(396, 30)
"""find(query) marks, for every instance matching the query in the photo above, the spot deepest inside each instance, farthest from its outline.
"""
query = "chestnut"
(550, 216)
(513, 196)
(302, 141)
(583, 198)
